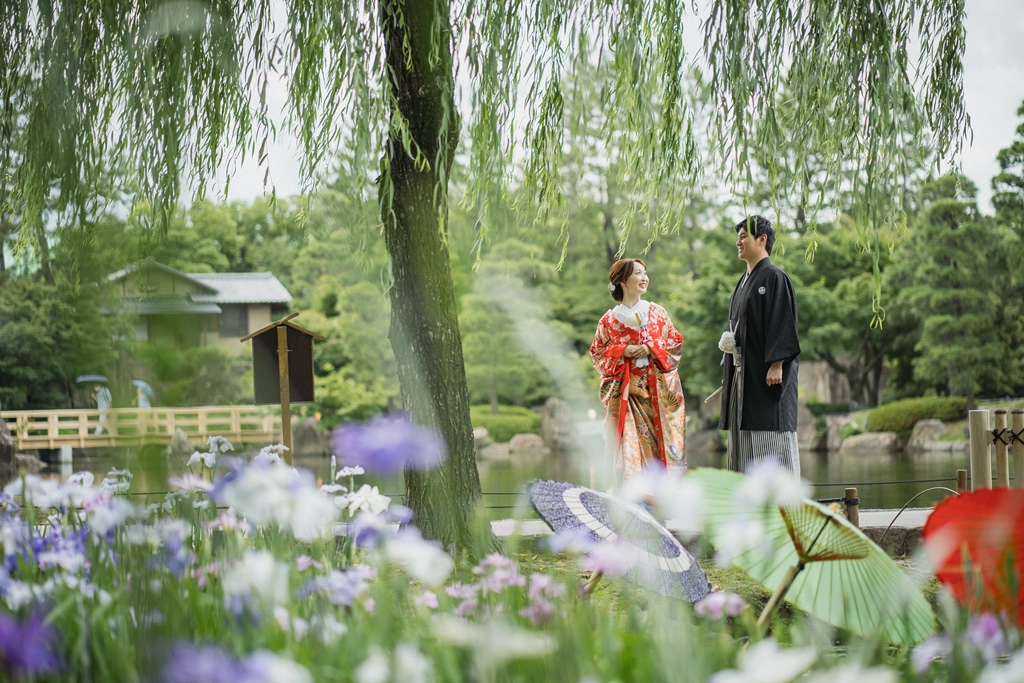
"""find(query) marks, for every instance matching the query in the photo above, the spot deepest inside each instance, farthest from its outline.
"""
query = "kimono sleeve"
(781, 342)
(606, 350)
(666, 342)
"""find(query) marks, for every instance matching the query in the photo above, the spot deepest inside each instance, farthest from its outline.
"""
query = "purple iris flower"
(27, 648)
(387, 444)
(340, 587)
(190, 664)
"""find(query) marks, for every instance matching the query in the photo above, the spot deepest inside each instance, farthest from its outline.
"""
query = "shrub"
(901, 416)
(848, 430)
(820, 409)
(506, 423)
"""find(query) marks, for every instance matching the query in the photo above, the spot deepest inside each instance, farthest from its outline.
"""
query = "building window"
(234, 321)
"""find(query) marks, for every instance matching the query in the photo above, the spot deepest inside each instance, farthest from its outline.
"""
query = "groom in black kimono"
(759, 385)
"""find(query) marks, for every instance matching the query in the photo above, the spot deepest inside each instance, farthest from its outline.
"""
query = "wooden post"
(286, 398)
(961, 481)
(1018, 448)
(981, 458)
(853, 509)
(1002, 463)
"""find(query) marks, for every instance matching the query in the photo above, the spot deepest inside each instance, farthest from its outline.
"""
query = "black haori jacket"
(762, 314)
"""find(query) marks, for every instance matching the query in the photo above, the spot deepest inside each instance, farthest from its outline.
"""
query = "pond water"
(883, 480)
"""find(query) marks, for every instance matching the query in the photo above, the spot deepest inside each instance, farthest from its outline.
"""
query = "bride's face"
(636, 283)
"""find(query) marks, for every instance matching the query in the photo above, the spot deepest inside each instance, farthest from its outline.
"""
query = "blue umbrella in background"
(144, 394)
(92, 379)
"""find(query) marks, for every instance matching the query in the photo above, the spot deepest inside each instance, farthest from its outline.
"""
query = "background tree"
(49, 334)
(953, 290)
(835, 293)
(1008, 185)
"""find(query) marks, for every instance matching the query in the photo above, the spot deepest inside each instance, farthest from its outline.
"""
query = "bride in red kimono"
(646, 423)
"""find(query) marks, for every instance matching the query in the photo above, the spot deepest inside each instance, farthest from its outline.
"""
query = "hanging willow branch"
(169, 91)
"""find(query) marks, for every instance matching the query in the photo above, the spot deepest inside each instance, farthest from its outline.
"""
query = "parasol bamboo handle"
(714, 393)
(777, 596)
(592, 583)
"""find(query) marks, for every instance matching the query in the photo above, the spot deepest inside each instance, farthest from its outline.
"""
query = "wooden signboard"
(286, 377)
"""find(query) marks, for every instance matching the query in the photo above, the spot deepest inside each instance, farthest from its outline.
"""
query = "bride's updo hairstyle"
(620, 272)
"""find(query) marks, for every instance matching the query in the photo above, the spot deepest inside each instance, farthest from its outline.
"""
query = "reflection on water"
(883, 480)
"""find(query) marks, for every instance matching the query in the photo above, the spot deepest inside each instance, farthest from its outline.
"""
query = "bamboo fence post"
(961, 481)
(853, 507)
(1002, 463)
(1018, 448)
(981, 458)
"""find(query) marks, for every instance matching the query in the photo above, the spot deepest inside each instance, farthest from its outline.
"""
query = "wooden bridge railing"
(35, 429)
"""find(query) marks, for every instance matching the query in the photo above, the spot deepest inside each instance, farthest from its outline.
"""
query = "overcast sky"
(993, 87)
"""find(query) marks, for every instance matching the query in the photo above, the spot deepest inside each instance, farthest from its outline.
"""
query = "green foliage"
(951, 268)
(848, 430)
(1008, 185)
(901, 416)
(821, 409)
(506, 423)
(116, 88)
(49, 334)
(342, 399)
(196, 376)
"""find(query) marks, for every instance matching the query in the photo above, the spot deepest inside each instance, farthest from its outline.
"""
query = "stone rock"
(179, 444)
(309, 439)
(557, 426)
(29, 463)
(834, 425)
(481, 437)
(946, 446)
(872, 442)
(494, 451)
(806, 427)
(526, 443)
(896, 541)
(925, 431)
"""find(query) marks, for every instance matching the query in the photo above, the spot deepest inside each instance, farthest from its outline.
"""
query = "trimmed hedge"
(901, 416)
(506, 423)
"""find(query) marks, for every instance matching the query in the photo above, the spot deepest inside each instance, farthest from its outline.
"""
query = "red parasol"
(976, 544)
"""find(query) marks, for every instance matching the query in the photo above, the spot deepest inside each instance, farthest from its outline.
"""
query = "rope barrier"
(844, 501)
(998, 434)
(881, 483)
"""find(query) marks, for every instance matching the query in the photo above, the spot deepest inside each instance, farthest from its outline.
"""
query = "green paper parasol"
(824, 565)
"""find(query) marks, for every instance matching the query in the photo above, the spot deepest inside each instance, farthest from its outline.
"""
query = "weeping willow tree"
(171, 90)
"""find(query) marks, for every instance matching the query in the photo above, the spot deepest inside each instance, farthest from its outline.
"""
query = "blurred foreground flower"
(669, 495)
(767, 662)
(768, 483)
(492, 643)
(983, 642)
(854, 672)
(258, 578)
(423, 560)
(268, 493)
(26, 648)
(1011, 671)
(190, 664)
(719, 604)
(387, 445)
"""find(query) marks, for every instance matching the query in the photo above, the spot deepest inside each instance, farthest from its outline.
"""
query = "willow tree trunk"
(414, 208)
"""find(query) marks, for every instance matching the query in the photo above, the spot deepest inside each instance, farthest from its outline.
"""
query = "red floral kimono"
(647, 422)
